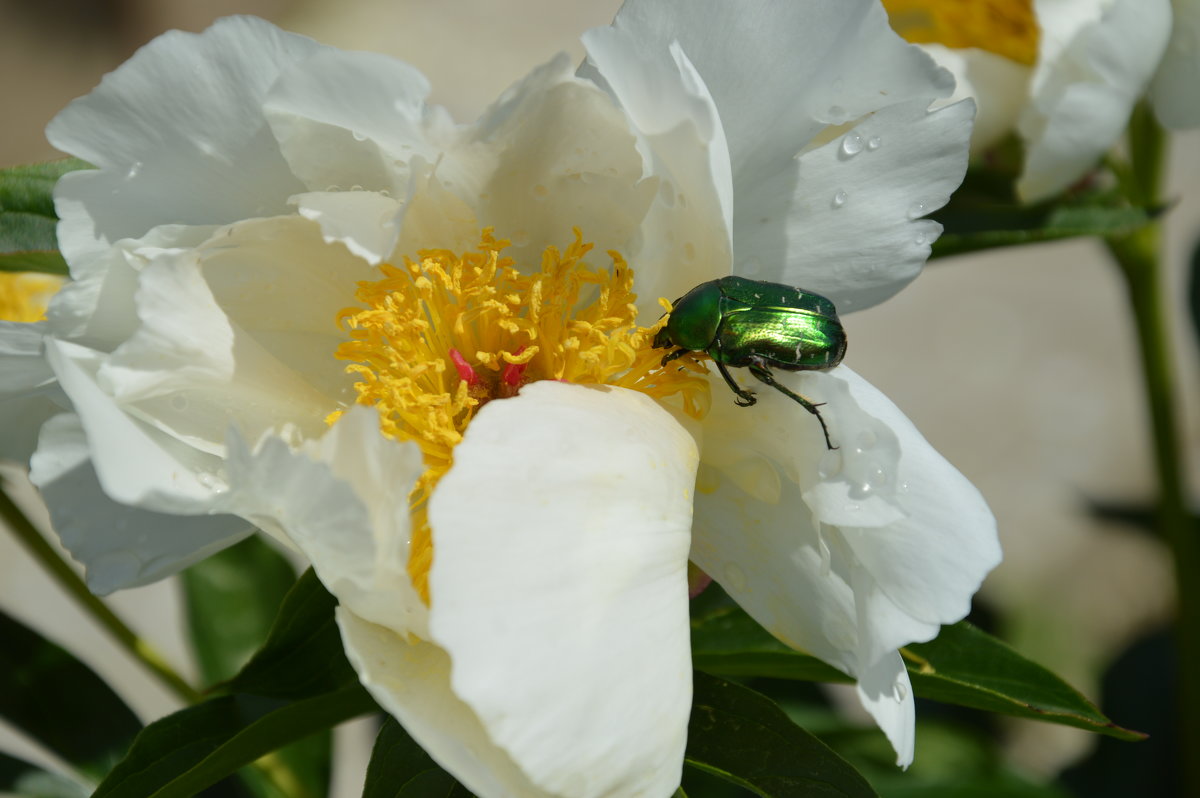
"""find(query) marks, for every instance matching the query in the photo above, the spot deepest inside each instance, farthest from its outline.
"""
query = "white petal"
(344, 504)
(563, 156)
(1173, 92)
(844, 219)
(1084, 91)
(687, 235)
(351, 119)
(29, 394)
(367, 223)
(823, 62)
(136, 464)
(885, 692)
(119, 546)
(178, 135)
(998, 85)
(560, 540)
(411, 680)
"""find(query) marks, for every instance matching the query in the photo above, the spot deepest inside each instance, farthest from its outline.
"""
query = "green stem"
(1138, 254)
(66, 577)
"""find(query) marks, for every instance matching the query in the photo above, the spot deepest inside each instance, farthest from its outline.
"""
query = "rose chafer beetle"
(759, 325)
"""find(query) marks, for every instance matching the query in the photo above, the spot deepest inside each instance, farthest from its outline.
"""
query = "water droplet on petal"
(916, 210)
(852, 144)
(920, 240)
(874, 142)
(356, 187)
(839, 198)
(837, 115)
(735, 577)
(133, 170)
(359, 136)
(899, 691)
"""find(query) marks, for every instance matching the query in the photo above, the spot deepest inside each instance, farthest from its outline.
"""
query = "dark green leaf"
(303, 654)
(400, 768)
(966, 666)
(728, 642)
(746, 739)
(183, 753)
(57, 700)
(18, 777)
(27, 219)
(969, 229)
(232, 599)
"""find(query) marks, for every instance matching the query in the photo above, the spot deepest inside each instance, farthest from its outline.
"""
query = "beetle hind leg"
(764, 374)
(745, 397)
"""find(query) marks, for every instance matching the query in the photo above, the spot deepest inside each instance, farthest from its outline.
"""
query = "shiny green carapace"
(759, 325)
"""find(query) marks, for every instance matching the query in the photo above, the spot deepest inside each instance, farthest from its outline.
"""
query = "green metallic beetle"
(760, 325)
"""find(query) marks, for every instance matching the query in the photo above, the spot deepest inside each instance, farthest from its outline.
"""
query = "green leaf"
(27, 219)
(183, 753)
(726, 641)
(303, 654)
(57, 700)
(400, 768)
(232, 599)
(963, 666)
(745, 739)
(970, 229)
(966, 666)
(18, 777)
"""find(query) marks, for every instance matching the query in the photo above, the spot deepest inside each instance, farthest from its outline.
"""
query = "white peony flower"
(1065, 74)
(1173, 91)
(513, 589)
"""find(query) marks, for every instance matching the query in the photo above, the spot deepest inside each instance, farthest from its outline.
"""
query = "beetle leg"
(678, 353)
(745, 397)
(763, 373)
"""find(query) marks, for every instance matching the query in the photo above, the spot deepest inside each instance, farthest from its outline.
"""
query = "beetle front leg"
(763, 373)
(678, 353)
(745, 397)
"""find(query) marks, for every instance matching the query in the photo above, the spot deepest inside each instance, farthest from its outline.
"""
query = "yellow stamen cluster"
(568, 321)
(1005, 27)
(24, 295)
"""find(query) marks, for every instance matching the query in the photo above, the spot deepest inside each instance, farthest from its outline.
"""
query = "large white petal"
(1173, 92)
(344, 503)
(561, 156)
(410, 678)
(687, 237)
(998, 85)
(844, 219)
(848, 579)
(178, 135)
(1084, 91)
(560, 547)
(825, 62)
(119, 546)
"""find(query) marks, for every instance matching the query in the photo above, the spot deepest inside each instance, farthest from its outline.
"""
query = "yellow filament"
(568, 321)
(1005, 27)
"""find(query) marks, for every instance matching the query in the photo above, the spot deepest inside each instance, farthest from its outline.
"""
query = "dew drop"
(830, 464)
(866, 439)
(359, 136)
(540, 192)
(837, 115)
(383, 192)
(852, 144)
(916, 210)
(920, 240)
(356, 187)
(874, 143)
(899, 691)
(332, 188)
(839, 198)
(133, 170)
(735, 577)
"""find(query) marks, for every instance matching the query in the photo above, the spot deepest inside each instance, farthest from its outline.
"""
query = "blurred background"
(1028, 379)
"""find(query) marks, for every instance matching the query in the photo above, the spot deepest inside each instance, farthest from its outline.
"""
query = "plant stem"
(1138, 254)
(66, 577)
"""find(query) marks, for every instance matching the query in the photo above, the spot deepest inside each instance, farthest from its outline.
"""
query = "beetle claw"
(745, 399)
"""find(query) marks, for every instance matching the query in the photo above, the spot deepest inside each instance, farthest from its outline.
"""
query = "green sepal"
(400, 768)
(744, 738)
(55, 699)
(28, 240)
